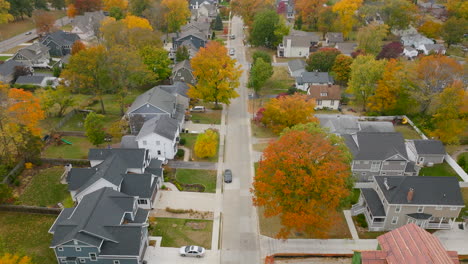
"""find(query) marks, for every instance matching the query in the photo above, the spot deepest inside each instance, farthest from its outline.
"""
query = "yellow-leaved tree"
(136, 22)
(121, 4)
(15, 259)
(207, 144)
(177, 14)
(216, 73)
(5, 17)
(346, 10)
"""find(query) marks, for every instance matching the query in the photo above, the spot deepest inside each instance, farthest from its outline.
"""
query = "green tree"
(399, 14)
(136, 7)
(5, 17)
(116, 13)
(365, 72)
(94, 126)
(58, 4)
(157, 61)
(20, 8)
(326, 21)
(218, 23)
(261, 54)
(6, 193)
(182, 54)
(342, 68)
(268, 29)
(322, 60)
(454, 29)
(370, 38)
(59, 97)
(260, 73)
(206, 145)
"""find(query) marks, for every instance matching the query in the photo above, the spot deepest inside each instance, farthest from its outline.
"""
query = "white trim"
(395, 220)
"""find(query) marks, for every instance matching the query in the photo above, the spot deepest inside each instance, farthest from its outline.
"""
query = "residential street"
(239, 237)
(21, 38)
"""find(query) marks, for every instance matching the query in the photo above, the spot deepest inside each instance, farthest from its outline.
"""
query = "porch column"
(453, 222)
(440, 222)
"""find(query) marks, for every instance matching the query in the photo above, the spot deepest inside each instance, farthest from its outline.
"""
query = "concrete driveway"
(187, 200)
(158, 255)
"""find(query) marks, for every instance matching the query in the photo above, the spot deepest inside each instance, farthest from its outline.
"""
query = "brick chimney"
(410, 195)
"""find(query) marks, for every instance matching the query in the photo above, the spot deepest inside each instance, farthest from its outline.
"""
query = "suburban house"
(87, 25)
(427, 201)
(199, 25)
(183, 72)
(379, 154)
(348, 125)
(7, 70)
(60, 43)
(123, 170)
(35, 55)
(35, 80)
(296, 67)
(436, 10)
(346, 48)
(192, 37)
(105, 227)
(308, 79)
(298, 44)
(159, 135)
(331, 38)
(179, 90)
(207, 10)
(407, 244)
(426, 152)
(195, 4)
(326, 96)
(432, 48)
(415, 40)
(410, 52)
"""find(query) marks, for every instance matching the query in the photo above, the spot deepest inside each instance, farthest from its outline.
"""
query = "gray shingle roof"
(378, 146)
(334, 37)
(345, 47)
(428, 190)
(376, 126)
(434, 147)
(179, 88)
(97, 219)
(162, 125)
(295, 65)
(34, 80)
(155, 167)
(138, 185)
(77, 177)
(156, 97)
(129, 141)
(182, 64)
(422, 216)
(133, 157)
(315, 77)
(36, 50)
(434, 47)
(373, 201)
(300, 40)
(62, 38)
(8, 67)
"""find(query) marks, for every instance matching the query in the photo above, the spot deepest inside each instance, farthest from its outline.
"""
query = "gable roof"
(300, 40)
(155, 167)
(89, 21)
(161, 125)
(376, 126)
(297, 64)
(346, 47)
(8, 67)
(334, 37)
(429, 147)
(378, 146)
(97, 220)
(34, 79)
(373, 201)
(434, 47)
(333, 92)
(178, 88)
(346, 124)
(182, 64)
(199, 25)
(34, 51)
(192, 32)
(128, 141)
(315, 77)
(415, 39)
(156, 97)
(409, 244)
(427, 190)
(62, 38)
(133, 157)
(140, 185)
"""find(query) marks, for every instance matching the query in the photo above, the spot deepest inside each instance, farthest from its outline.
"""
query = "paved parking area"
(166, 255)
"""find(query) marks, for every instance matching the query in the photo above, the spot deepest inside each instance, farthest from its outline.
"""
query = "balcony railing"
(371, 222)
(439, 226)
(357, 209)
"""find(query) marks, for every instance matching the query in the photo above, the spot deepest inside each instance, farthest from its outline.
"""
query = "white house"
(415, 40)
(326, 96)
(298, 44)
(160, 136)
(436, 48)
(87, 25)
(308, 79)
(410, 52)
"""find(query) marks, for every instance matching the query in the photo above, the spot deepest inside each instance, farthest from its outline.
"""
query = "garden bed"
(177, 232)
(190, 180)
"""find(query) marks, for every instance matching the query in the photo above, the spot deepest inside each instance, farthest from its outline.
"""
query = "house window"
(332, 102)
(63, 260)
(385, 163)
(323, 94)
(82, 260)
(364, 173)
(116, 262)
(394, 220)
(142, 201)
(366, 162)
(144, 142)
(438, 207)
(60, 249)
(92, 256)
(420, 209)
(357, 162)
(78, 249)
(178, 74)
(159, 152)
(319, 102)
(300, 53)
(158, 143)
(453, 208)
(384, 173)
(397, 208)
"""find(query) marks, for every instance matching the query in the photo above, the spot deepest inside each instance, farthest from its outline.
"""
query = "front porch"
(373, 212)
(427, 221)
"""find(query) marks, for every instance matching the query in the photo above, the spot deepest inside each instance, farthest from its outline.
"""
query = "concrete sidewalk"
(454, 239)
(186, 200)
(199, 128)
(349, 221)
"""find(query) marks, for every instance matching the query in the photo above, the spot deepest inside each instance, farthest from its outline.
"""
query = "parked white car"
(192, 251)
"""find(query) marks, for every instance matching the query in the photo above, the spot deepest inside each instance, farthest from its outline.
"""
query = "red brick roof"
(409, 244)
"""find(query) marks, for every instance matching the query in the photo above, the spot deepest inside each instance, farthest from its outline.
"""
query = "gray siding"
(70, 251)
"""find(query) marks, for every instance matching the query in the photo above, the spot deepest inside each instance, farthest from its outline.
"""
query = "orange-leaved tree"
(177, 14)
(120, 4)
(45, 22)
(247, 9)
(450, 119)
(288, 111)
(77, 47)
(216, 73)
(14, 259)
(71, 11)
(303, 178)
(309, 10)
(25, 109)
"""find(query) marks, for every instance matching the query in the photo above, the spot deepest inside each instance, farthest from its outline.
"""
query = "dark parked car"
(228, 176)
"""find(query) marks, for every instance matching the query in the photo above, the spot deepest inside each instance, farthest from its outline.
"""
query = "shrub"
(182, 141)
(163, 187)
(16, 182)
(28, 165)
(180, 153)
(463, 163)
(361, 219)
(178, 211)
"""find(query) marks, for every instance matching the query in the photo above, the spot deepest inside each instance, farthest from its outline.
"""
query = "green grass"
(455, 51)
(78, 149)
(260, 147)
(279, 82)
(407, 131)
(212, 117)
(26, 234)
(111, 103)
(4, 58)
(176, 233)
(45, 188)
(260, 131)
(464, 211)
(190, 140)
(205, 177)
(442, 169)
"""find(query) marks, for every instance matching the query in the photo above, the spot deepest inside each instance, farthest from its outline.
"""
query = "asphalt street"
(239, 236)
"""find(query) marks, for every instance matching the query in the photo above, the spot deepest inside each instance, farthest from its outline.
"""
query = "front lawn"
(271, 226)
(407, 131)
(190, 139)
(12, 29)
(260, 131)
(26, 234)
(279, 82)
(206, 178)
(77, 150)
(4, 58)
(260, 147)
(442, 169)
(45, 188)
(210, 117)
(177, 232)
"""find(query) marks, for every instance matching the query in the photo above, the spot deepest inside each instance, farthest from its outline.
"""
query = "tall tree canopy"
(87, 5)
(370, 38)
(247, 9)
(177, 14)
(399, 14)
(454, 29)
(157, 60)
(268, 29)
(342, 68)
(346, 10)
(216, 73)
(5, 17)
(94, 126)
(45, 22)
(20, 8)
(303, 178)
(309, 11)
(322, 60)
(261, 71)
(391, 50)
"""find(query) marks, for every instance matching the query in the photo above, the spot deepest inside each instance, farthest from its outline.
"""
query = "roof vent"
(386, 184)
(410, 195)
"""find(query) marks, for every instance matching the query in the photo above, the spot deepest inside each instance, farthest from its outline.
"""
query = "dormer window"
(324, 94)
